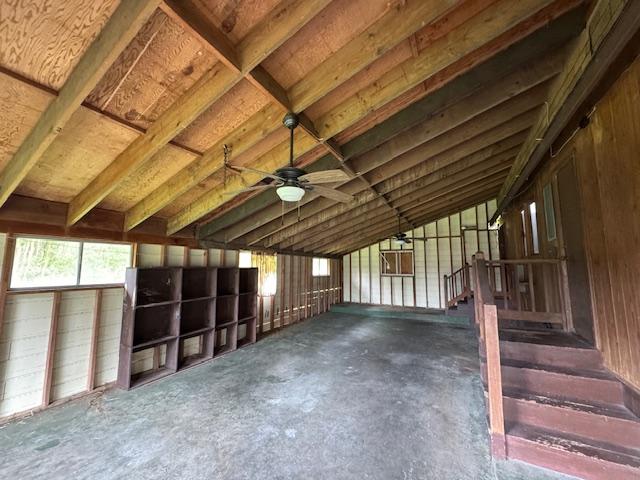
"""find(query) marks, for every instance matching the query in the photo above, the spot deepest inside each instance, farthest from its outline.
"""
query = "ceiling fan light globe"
(290, 193)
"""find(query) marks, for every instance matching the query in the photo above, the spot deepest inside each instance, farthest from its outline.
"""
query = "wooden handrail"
(453, 294)
(487, 318)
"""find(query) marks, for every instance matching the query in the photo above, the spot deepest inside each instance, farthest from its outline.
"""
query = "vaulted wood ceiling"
(114, 115)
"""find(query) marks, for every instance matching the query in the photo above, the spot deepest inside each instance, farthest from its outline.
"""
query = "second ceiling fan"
(291, 183)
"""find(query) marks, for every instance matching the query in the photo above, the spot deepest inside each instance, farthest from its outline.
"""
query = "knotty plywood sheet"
(87, 144)
(235, 18)
(160, 64)
(43, 41)
(160, 168)
(20, 107)
(331, 29)
(224, 116)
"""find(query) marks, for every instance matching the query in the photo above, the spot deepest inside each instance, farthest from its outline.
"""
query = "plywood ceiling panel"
(20, 107)
(341, 21)
(73, 160)
(241, 102)
(157, 67)
(166, 163)
(234, 17)
(43, 41)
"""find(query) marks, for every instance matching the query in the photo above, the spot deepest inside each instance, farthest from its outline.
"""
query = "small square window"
(396, 263)
(320, 267)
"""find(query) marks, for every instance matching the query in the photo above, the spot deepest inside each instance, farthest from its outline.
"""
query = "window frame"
(78, 285)
(549, 210)
(398, 263)
(313, 274)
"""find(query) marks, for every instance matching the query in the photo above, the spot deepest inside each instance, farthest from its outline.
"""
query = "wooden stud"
(95, 332)
(51, 348)
(5, 276)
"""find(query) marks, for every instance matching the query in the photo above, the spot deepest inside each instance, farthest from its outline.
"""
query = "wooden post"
(51, 349)
(95, 330)
(445, 281)
(5, 278)
(494, 381)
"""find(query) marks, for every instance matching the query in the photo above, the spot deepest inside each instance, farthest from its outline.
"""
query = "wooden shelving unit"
(176, 309)
(247, 306)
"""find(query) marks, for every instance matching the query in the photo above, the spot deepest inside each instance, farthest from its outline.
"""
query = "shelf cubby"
(246, 332)
(198, 283)
(195, 348)
(226, 339)
(247, 306)
(154, 285)
(197, 315)
(227, 281)
(248, 281)
(226, 310)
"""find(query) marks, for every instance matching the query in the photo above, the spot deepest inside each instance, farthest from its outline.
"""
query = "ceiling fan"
(401, 238)
(292, 183)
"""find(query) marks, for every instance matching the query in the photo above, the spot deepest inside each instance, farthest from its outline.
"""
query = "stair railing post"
(487, 314)
(446, 293)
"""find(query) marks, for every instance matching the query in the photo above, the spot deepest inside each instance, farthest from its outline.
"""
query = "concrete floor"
(337, 397)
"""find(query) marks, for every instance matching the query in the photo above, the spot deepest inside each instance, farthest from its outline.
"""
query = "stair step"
(583, 385)
(613, 424)
(555, 355)
(571, 455)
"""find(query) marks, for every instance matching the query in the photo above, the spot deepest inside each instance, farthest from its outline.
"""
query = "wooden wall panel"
(449, 241)
(605, 155)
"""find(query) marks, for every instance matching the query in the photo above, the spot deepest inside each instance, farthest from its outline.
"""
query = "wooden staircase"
(563, 410)
(550, 400)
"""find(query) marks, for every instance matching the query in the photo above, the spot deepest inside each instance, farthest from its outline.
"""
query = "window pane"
(244, 259)
(406, 263)
(41, 262)
(104, 263)
(320, 267)
(534, 227)
(389, 263)
(549, 212)
(525, 246)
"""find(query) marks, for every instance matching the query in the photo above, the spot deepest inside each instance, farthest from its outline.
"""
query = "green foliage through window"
(40, 262)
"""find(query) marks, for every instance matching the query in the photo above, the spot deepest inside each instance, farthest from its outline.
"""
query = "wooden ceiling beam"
(383, 231)
(186, 14)
(478, 133)
(510, 91)
(428, 195)
(611, 26)
(428, 217)
(241, 219)
(431, 186)
(210, 162)
(120, 29)
(470, 39)
(279, 25)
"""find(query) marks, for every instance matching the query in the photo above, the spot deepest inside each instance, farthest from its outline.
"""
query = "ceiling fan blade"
(249, 189)
(254, 170)
(325, 176)
(332, 193)
(419, 238)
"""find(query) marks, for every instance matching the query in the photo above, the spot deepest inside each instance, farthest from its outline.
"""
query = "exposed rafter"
(280, 25)
(123, 25)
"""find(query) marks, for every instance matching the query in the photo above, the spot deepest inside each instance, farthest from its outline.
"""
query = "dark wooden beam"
(609, 29)
(523, 53)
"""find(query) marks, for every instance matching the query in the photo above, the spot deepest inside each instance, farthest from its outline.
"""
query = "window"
(533, 216)
(320, 267)
(244, 260)
(549, 212)
(396, 262)
(41, 262)
(525, 240)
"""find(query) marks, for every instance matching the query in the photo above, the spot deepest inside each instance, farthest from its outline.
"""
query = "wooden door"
(572, 233)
